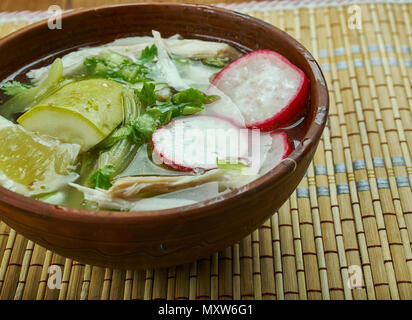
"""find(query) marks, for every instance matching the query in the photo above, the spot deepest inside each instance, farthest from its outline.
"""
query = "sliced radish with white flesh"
(266, 87)
(279, 150)
(196, 142)
(224, 107)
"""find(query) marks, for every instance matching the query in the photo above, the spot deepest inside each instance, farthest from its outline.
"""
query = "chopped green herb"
(147, 95)
(113, 58)
(117, 135)
(188, 110)
(148, 54)
(138, 130)
(216, 62)
(182, 60)
(142, 128)
(96, 66)
(12, 88)
(193, 97)
(101, 178)
(125, 72)
(115, 67)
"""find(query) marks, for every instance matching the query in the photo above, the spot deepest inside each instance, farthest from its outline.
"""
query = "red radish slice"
(280, 149)
(267, 88)
(224, 107)
(195, 142)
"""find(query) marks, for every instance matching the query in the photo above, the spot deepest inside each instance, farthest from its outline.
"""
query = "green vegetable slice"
(119, 152)
(82, 112)
(28, 98)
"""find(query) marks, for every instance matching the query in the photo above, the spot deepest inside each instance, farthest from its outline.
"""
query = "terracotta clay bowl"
(174, 236)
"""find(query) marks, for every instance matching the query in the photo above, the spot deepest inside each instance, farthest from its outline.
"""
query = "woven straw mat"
(345, 233)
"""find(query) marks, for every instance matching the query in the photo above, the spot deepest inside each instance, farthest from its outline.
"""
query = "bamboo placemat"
(345, 233)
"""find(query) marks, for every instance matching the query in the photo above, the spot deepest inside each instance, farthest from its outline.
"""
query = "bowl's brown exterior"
(174, 236)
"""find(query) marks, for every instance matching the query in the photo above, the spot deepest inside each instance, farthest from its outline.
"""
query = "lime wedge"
(82, 112)
(31, 163)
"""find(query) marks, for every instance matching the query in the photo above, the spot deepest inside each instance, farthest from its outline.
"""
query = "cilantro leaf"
(117, 135)
(12, 88)
(147, 95)
(140, 129)
(143, 127)
(148, 54)
(193, 97)
(101, 178)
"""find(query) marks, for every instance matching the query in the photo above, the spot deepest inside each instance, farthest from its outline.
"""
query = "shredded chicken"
(165, 65)
(135, 187)
(164, 201)
(191, 48)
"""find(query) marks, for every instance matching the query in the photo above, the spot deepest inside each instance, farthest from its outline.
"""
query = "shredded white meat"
(166, 66)
(135, 187)
(164, 201)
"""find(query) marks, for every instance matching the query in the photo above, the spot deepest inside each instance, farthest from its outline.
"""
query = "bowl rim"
(38, 208)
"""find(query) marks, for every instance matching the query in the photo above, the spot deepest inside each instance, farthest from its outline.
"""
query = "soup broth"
(145, 123)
